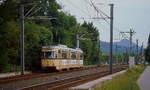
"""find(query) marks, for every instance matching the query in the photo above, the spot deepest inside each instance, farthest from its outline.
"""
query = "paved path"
(144, 80)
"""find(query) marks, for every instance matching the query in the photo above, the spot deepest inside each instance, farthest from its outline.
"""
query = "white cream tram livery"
(61, 57)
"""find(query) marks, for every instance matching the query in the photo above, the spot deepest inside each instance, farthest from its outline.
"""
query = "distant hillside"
(118, 47)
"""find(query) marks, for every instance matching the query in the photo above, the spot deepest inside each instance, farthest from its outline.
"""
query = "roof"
(62, 47)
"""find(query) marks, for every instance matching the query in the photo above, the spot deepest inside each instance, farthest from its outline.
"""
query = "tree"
(38, 33)
(90, 47)
(149, 41)
(147, 51)
(9, 44)
(9, 10)
(36, 36)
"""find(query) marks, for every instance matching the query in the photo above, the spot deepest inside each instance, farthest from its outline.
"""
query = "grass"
(126, 81)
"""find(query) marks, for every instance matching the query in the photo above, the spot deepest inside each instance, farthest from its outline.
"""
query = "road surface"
(144, 80)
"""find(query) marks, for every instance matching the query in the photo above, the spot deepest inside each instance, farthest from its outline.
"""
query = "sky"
(128, 14)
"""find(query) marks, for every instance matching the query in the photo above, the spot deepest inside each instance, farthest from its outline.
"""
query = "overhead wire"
(78, 8)
(99, 12)
(87, 6)
(102, 13)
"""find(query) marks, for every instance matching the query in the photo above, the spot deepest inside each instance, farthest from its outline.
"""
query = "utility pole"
(126, 53)
(22, 38)
(111, 29)
(77, 37)
(142, 49)
(111, 17)
(131, 32)
(99, 42)
(137, 50)
(117, 53)
(24, 15)
(111, 37)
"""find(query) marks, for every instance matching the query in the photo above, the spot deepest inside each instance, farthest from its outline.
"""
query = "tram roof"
(62, 47)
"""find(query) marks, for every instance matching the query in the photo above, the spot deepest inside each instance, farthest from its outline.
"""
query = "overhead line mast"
(111, 17)
(22, 38)
(24, 15)
(111, 37)
(131, 33)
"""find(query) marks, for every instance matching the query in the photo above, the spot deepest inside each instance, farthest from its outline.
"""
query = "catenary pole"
(22, 18)
(22, 38)
(111, 38)
(131, 34)
(137, 50)
(142, 49)
(77, 37)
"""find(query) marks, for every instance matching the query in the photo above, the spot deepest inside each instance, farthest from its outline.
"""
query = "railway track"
(59, 79)
(68, 82)
(37, 75)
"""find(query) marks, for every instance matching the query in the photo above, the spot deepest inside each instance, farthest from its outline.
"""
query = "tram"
(61, 57)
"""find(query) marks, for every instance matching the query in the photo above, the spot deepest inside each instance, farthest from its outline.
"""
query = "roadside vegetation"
(126, 81)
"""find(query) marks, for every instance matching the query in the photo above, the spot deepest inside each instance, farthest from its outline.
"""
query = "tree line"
(147, 51)
(38, 33)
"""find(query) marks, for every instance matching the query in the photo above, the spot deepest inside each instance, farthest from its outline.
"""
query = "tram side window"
(81, 56)
(73, 56)
(56, 54)
(48, 55)
(64, 55)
